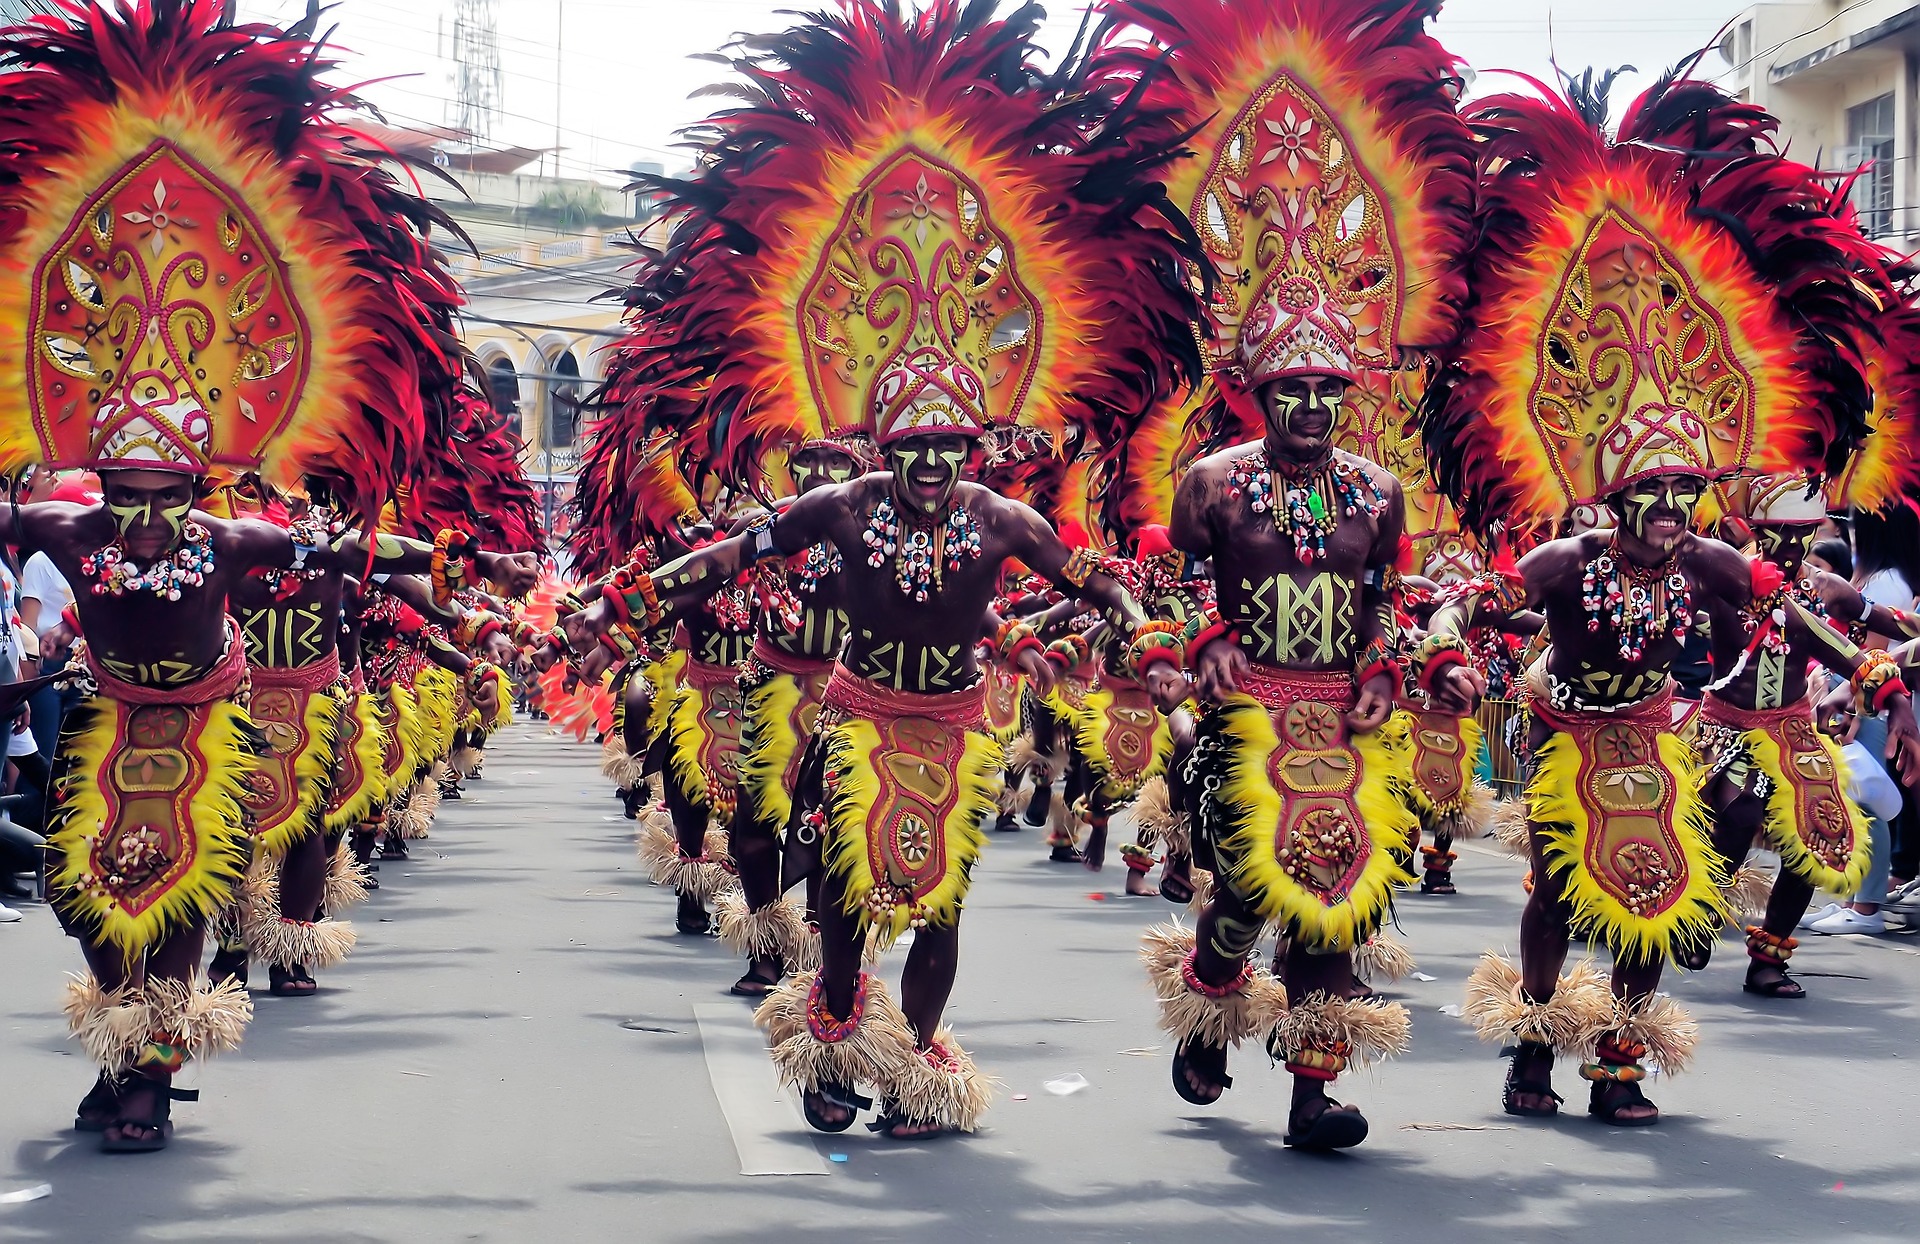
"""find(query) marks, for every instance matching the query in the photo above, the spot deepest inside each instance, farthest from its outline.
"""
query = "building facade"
(1843, 76)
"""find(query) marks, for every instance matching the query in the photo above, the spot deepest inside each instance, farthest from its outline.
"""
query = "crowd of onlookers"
(33, 595)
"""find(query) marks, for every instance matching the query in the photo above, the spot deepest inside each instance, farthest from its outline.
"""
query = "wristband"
(1081, 564)
(1152, 644)
(1213, 629)
(1433, 656)
(1026, 642)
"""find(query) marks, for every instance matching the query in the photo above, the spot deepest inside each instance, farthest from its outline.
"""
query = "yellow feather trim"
(1782, 828)
(768, 742)
(207, 812)
(1254, 808)
(361, 785)
(853, 788)
(1555, 806)
(312, 767)
(664, 674)
(1472, 736)
(1090, 727)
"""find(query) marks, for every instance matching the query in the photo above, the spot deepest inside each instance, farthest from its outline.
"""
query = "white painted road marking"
(762, 1113)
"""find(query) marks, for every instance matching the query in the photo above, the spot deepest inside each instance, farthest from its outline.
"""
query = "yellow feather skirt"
(1619, 812)
(1124, 739)
(704, 738)
(359, 775)
(1820, 834)
(905, 798)
(149, 828)
(287, 790)
(779, 718)
(1312, 827)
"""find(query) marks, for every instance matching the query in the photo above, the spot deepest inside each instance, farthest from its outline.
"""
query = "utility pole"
(559, 49)
(478, 86)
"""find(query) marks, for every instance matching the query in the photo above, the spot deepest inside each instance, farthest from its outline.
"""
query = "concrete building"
(1843, 76)
(549, 248)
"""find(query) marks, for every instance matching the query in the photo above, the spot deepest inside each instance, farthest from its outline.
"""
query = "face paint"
(814, 468)
(1315, 398)
(926, 470)
(145, 511)
(1785, 545)
(1670, 498)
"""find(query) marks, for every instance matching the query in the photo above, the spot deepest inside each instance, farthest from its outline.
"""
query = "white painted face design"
(818, 466)
(1306, 406)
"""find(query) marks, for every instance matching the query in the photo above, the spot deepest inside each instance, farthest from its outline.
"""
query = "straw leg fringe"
(700, 878)
(111, 1025)
(204, 1019)
(1665, 1027)
(779, 929)
(1362, 1032)
(1507, 826)
(1044, 768)
(346, 884)
(879, 1052)
(1157, 822)
(1186, 1015)
(1382, 957)
(317, 944)
(1748, 891)
(943, 1087)
(1571, 1021)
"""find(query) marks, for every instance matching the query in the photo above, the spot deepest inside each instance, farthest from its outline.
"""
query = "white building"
(1842, 77)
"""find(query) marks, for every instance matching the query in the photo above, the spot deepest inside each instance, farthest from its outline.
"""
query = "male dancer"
(1553, 407)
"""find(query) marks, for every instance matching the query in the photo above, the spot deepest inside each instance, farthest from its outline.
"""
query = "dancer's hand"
(1167, 686)
(1040, 672)
(515, 573)
(1903, 740)
(1458, 689)
(1835, 713)
(1373, 705)
(1218, 669)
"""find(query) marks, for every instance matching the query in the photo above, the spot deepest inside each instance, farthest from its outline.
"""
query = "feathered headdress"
(908, 228)
(473, 479)
(1886, 467)
(1331, 189)
(1677, 299)
(202, 266)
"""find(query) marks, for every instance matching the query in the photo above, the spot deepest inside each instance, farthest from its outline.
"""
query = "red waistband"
(850, 696)
(1274, 687)
(314, 677)
(704, 674)
(1722, 713)
(219, 683)
(1656, 711)
(776, 658)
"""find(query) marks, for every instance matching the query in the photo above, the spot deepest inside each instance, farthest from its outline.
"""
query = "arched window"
(503, 391)
(563, 402)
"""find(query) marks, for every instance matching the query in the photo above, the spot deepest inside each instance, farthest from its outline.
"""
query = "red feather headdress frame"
(1686, 240)
(1886, 467)
(203, 267)
(1332, 194)
(903, 186)
(473, 479)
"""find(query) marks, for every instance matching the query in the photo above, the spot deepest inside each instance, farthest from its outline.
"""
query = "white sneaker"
(7, 914)
(1847, 920)
(1818, 914)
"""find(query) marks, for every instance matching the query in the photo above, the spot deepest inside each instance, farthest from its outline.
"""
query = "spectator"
(44, 595)
(1832, 555)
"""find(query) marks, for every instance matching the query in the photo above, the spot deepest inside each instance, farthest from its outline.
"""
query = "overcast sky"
(625, 69)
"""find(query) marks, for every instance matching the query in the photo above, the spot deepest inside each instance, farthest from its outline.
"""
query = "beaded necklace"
(1639, 602)
(188, 566)
(818, 562)
(924, 554)
(1315, 499)
(316, 529)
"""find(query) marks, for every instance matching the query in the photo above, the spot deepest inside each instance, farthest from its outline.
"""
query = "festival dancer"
(944, 176)
(1599, 257)
(1771, 773)
(1303, 768)
(180, 165)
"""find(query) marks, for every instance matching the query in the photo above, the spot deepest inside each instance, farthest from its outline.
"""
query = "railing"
(1497, 718)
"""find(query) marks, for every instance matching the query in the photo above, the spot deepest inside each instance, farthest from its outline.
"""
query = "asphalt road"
(513, 1054)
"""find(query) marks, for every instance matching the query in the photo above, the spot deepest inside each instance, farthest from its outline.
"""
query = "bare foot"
(1770, 980)
(1137, 885)
(820, 1111)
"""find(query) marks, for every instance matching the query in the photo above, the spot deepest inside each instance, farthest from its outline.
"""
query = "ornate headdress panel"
(1622, 329)
(202, 267)
(910, 230)
(1332, 185)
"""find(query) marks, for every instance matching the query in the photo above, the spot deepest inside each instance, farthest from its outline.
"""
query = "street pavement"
(513, 1054)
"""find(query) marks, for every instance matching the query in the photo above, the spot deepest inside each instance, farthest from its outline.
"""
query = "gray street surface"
(514, 1054)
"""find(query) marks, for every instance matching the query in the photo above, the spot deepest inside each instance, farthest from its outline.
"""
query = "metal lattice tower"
(475, 105)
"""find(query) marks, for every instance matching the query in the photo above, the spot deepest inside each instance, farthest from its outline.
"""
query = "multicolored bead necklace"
(817, 563)
(1315, 499)
(1639, 603)
(316, 529)
(189, 566)
(923, 554)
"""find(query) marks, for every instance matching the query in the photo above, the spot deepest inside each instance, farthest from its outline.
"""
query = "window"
(1870, 149)
(563, 403)
(503, 391)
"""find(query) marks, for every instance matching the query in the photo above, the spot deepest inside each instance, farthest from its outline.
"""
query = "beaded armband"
(1013, 638)
(1153, 643)
(447, 570)
(570, 603)
(628, 583)
(1375, 659)
(1203, 628)
(621, 641)
(1433, 656)
(479, 673)
(1877, 679)
(1081, 564)
(1068, 651)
